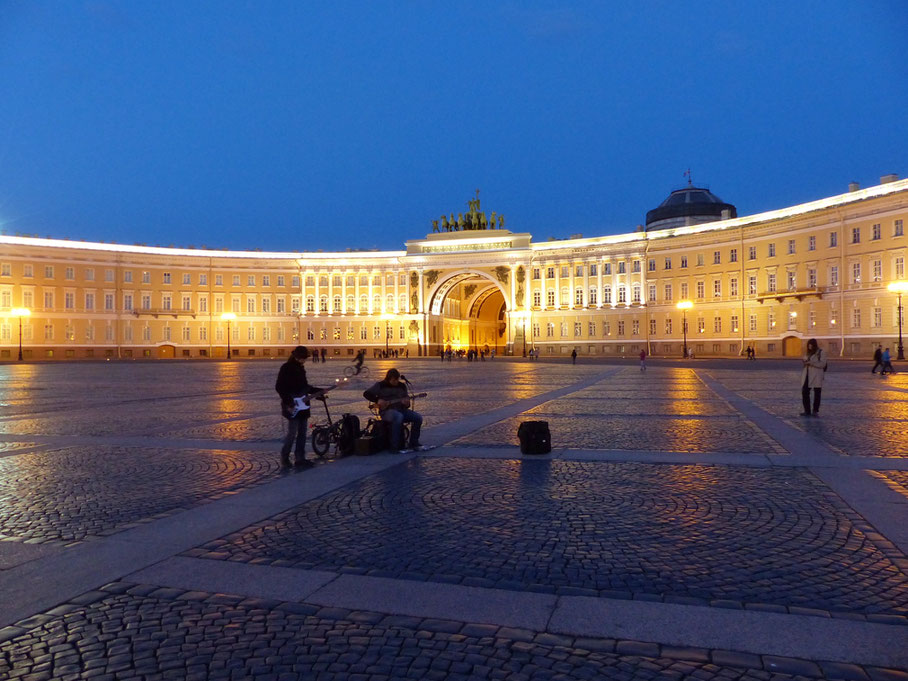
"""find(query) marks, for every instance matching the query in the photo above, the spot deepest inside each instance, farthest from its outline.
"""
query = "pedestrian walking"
(812, 376)
(886, 360)
(574, 356)
(878, 359)
(643, 360)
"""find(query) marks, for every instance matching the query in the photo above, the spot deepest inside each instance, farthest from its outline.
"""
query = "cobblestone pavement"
(860, 414)
(69, 494)
(91, 454)
(129, 631)
(677, 533)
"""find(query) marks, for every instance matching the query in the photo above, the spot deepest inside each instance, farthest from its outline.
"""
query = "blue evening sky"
(324, 125)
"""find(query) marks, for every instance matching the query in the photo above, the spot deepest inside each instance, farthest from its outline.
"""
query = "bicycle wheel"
(364, 372)
(349, 371)
(321, 440)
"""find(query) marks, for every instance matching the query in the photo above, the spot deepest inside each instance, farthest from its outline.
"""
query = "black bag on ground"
(534, 437)
(349, 434)
(380, 432)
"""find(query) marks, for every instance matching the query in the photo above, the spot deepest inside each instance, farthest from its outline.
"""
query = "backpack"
(534, 437)
(349, 434)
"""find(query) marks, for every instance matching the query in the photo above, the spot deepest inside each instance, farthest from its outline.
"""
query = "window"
(684, 291)
(791, 246)
(607, 294)
(668, 263)
(218, 279)
(856, 273)
(591, 329)
(701, 325)
(310, 280)
(636, 266)
(89, 274)
(236, 279)
(792, 280)
(699, 259)
(48, 300)
(833, 239)
(772, 250)
(109, 301)
(550, 330)
(187, 303)
(578, 329)
(550, 273)
(146, 279)
(578, 296)
(733, 255)
(683, 262)
(752, 253)
(877, 232)
(635, 327)
(811, 277)
(28, 271)
(651, 294)
(280, 281)
(651, 265)
(771, 321)
(537, 298)
(28, 299)
(812, 318)
(856, 318)
(593, 297)
(652, 327)
(70, 273)
(717, 288)
(771, 282)
(621, 328)
(337, 303)
(310, 303)
(811, 243)
(733, 287)
(622, 294)
(187, 280)
(127, 302)
(855, 235)
(606, 328)
(127, 276)
(753, 322)
(535, 330)
(69, 300)
(701, 290)
(717, 257)
(295, 281)
(563, 329)
(203, 304)
(594, 270)
(734, 323)
(48, 332)
(49, 272)
(668, 327)
(877, 317)
(608, 268)
(668, 293)
(550, 298)
(536, 273)
(565, 297)
(266, 281)
(578, 271)
(166, 277)
(900, 267)
(636, 292)
(899, 229)
(717, 324)
(877, 270)
(166, 302)
(621, 267)
(6, 299)
(323, 304)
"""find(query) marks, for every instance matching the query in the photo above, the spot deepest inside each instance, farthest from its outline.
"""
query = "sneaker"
(303, 464)
(285, 462)
(805, 413)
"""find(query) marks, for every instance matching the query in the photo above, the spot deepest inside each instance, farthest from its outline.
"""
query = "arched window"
(363, 304)
(351, 304)
(404, 308)
(337, 303)
(310, 303)
(323, 304)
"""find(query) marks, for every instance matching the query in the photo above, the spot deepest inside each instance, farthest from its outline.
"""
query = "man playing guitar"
(295, 392)
(392, 397)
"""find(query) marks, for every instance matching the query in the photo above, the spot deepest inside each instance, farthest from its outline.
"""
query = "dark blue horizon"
(308, 126)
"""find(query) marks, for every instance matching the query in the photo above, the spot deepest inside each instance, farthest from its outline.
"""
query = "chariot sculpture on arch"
(474, 219)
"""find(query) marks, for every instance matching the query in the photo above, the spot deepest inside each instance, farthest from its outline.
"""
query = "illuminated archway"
(468, 310)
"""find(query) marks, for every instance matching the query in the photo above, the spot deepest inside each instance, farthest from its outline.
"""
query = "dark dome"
(689, 206)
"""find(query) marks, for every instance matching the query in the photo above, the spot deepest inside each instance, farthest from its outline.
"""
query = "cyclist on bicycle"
(392, 397)
(358, 360)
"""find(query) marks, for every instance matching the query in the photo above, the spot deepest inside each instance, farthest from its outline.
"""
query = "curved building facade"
(770, 281)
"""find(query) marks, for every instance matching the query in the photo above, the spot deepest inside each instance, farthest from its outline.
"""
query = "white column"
(599, 282)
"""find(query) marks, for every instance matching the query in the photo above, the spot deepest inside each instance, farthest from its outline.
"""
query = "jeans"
(297, 429)
(805, 398)
(397, 418)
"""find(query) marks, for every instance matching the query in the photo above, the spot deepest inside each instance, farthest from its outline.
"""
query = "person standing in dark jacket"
(292, 382)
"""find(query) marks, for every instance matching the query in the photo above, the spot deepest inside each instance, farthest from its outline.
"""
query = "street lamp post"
(228, 317)
(20, 312)
(684, 306)
(899, 287)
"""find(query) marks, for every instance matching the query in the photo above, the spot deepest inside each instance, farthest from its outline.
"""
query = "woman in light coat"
(812, 377)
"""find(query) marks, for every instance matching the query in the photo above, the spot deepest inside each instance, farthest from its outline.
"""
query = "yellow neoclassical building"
(769, 281)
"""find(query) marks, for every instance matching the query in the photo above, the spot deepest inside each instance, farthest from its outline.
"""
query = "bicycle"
(350, 371)
(324, 436)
